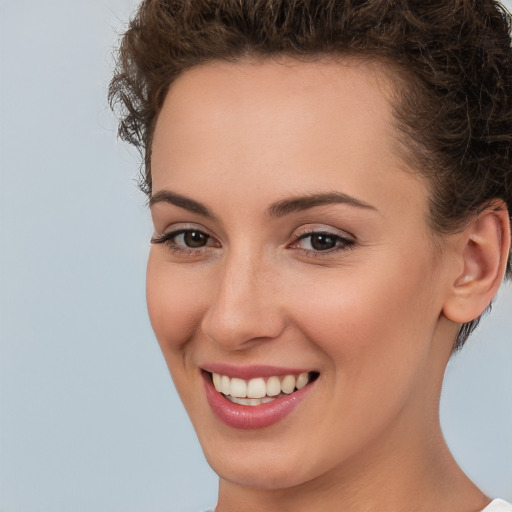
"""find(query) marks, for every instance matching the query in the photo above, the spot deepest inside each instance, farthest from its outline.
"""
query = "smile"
(256, 402)
(259, 390)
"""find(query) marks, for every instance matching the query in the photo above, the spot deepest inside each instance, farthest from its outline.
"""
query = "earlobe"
(483, 252)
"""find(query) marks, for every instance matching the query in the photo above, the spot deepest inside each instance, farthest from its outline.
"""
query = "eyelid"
(178, 227)
(312, 229)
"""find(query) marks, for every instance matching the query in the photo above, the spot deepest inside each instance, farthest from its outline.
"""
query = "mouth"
(260, 390)
(256, 402)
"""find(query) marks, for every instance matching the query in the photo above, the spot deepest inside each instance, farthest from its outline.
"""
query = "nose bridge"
(242, 307)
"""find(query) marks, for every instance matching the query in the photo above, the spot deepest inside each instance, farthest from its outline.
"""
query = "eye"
(192, 239)
(321, 241)
(186, 240)
(315, 242)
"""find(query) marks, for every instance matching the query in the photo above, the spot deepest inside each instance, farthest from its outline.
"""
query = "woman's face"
(292, 240)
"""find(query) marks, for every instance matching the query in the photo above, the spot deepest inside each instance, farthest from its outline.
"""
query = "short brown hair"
(453, 60)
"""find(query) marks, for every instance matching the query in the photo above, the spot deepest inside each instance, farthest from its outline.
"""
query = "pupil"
(195, 239)
(322, 242)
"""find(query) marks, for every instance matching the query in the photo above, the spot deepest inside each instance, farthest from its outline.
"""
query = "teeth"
(250, 401)
(225, 385)
(273, 386)
(256, 388)
(238, 388)
(302, 380)
(288, 384)
(217, 381)
(257, 391)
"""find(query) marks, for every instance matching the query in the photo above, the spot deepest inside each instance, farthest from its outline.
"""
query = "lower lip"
(251, 417)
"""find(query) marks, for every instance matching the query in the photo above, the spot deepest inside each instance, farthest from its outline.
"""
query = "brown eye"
(188, 240)
(195, 239)
(318, 242)
(322, 242)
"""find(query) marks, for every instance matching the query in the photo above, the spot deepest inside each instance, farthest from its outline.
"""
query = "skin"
(370, 316)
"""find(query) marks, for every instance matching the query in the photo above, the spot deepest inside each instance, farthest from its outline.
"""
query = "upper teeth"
(259, 387)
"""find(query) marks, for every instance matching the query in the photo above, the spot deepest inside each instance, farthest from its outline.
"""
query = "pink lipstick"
(230, 404)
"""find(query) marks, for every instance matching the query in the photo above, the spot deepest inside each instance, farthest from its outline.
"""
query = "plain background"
(89, 419)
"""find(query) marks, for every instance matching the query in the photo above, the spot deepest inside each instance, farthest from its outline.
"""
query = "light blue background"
(89, 420)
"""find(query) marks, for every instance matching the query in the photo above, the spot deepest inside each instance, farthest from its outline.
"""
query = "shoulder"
(498, 505)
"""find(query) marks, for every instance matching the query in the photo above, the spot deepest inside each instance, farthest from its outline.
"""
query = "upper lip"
(251, 371)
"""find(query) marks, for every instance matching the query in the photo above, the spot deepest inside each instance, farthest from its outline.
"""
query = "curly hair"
(451, 63)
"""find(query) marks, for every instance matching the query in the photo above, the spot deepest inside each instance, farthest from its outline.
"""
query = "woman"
(330, 187)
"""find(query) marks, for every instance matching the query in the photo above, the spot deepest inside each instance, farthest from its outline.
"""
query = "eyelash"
(167, 239)
(341, 243)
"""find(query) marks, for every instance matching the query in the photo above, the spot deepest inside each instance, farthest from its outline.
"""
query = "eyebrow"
(166, 196)
(296, 204)
(277, 209)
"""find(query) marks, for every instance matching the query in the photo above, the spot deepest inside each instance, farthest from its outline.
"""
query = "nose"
(244, 308)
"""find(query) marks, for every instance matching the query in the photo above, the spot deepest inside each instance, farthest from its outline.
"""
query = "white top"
(496, 505)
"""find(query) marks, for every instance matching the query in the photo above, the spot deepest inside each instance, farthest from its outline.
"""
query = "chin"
(259, 473)
(267, 460)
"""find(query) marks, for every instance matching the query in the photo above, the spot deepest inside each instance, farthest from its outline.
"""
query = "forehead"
(306, 126)
(281, 97)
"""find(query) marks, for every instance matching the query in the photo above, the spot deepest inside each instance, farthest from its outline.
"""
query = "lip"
(252, 371)
(252, 417)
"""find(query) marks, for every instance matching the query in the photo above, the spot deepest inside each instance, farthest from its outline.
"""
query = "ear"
(483, 253)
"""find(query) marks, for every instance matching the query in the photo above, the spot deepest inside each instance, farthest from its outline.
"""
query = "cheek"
(174, 300)
(373, 322)
(174, 304)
